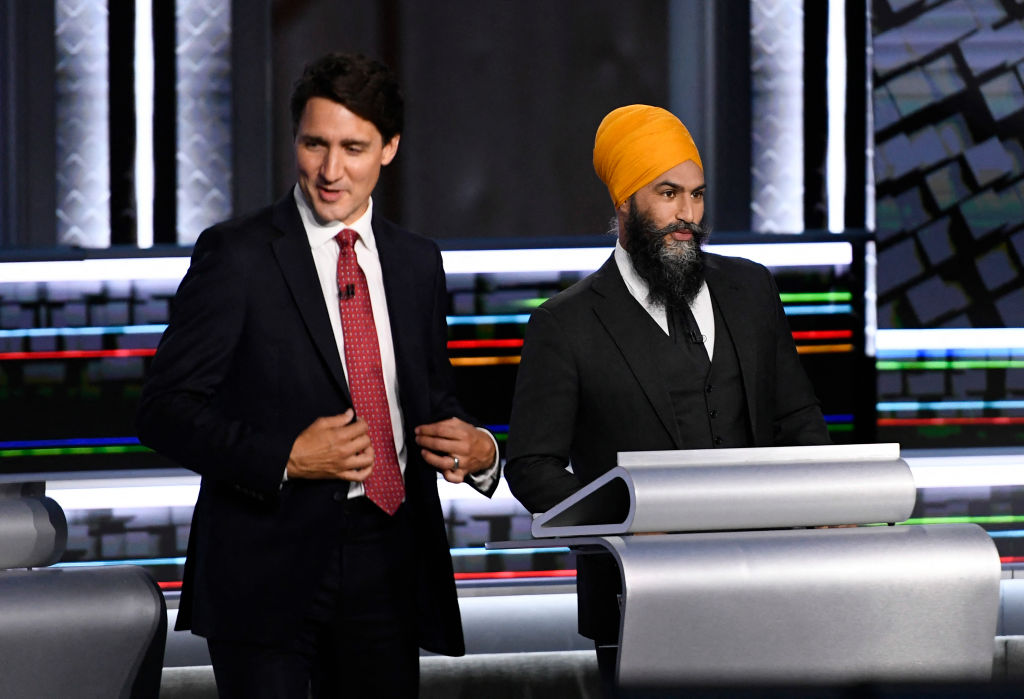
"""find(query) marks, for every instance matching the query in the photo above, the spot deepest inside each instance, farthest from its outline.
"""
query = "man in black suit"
(664, 347)
(306, 350)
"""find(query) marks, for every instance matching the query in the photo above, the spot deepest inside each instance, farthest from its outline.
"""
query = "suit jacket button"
(339, 496)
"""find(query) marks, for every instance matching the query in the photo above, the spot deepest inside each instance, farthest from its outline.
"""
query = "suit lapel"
(296, 263)
(732, 306)
(628, 324)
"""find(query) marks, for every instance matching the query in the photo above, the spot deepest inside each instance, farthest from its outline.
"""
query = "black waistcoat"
(707, 396)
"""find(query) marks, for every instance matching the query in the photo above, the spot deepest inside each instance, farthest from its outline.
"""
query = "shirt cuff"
(483, 480)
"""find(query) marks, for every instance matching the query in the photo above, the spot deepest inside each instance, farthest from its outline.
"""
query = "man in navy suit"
(298, 574)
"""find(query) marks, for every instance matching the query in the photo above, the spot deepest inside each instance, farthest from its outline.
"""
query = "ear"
(390, 150)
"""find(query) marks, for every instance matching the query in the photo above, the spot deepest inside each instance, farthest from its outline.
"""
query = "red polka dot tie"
(366, 378)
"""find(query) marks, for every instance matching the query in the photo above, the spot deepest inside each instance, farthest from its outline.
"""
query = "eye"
(699, 194)
(669, 194)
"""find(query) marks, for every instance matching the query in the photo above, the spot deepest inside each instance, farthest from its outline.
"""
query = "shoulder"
(254, 228)
(587, 291)
(737, 271)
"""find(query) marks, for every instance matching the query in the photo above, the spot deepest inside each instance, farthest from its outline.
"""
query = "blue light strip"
(951, 405)
(838, 418)
(75, 442)
(488, 319)
(178, 561)
(96, 330)
(1007, 534)
(951, 353)
(481, 551)
(827, 309)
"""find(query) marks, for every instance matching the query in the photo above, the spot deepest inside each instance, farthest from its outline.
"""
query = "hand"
(455, 439)
(332, 447)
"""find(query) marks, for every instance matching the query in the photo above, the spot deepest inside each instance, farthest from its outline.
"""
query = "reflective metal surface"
(723, 489)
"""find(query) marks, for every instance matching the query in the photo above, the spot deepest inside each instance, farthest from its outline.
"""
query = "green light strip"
(73, 451)
(840, 428)
(890, 365)
(817, 297)
(965, 519)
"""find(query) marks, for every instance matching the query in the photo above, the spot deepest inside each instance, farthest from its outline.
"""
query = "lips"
(681, 235)
(329, 195)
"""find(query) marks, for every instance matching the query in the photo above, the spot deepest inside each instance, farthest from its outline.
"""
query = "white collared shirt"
(325, 255)
(701, 307)
(326, 251)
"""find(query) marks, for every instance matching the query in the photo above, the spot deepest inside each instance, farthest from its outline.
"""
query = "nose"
(331, 167)
(685, 209)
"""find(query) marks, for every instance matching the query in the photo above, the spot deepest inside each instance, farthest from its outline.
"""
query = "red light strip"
(79, 354)
(822, 334)
(938, 421)
(483, 344)
(498, 575)
(1011, 559)
(506, 574)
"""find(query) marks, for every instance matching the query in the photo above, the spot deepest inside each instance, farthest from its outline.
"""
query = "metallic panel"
(721, 489)
(777, 119)
(914, 603)
(204, 114)
(82, 110)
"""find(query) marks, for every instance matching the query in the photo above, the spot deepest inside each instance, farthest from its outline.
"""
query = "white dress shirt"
(701, 308)
(326, 251)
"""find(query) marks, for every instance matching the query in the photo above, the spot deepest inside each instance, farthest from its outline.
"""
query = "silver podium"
(735, 571)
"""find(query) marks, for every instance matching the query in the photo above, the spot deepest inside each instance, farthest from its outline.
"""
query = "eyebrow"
(673, 185)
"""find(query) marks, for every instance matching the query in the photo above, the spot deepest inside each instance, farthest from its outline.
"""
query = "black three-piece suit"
(599, 376)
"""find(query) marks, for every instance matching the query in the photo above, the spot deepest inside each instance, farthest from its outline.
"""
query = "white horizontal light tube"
(455, 262)
(950, 339)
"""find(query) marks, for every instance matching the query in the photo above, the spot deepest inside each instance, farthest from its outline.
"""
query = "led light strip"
(951, 364)
(944, 421)
(954, 471)
(895, 406)
(892, 342)
(455, 262)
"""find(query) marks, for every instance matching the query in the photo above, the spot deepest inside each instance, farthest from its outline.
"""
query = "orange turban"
(637, 143)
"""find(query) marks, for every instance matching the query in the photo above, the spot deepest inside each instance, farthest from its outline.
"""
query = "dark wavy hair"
(364, 86)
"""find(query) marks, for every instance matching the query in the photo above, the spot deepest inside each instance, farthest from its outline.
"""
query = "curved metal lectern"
(740, 586)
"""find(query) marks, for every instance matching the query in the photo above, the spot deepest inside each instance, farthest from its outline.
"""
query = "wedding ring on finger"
(455, 466)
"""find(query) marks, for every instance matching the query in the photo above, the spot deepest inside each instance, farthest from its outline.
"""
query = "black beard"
(673, 269)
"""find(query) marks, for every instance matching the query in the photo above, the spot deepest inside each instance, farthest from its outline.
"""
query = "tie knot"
(346, 239)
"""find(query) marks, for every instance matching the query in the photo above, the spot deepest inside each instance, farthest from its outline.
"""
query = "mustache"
(697, 230)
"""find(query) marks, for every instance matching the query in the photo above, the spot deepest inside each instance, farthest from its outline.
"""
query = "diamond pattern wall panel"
(777, 157)
(204, 114)
(81, 103)
(949, 135)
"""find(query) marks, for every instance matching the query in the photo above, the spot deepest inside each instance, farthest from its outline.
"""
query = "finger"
(353, 429)
(333, 421)
(437, 444)
(453, 476)
(442, 462)
(357, 475)
(449, 428)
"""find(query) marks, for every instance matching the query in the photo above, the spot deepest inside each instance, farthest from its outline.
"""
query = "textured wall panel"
(777, 160)
(83, 154)
(204, 114)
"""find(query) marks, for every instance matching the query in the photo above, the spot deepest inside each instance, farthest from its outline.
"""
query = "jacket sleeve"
(543, 417)
(443, 398)
(180, 415)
